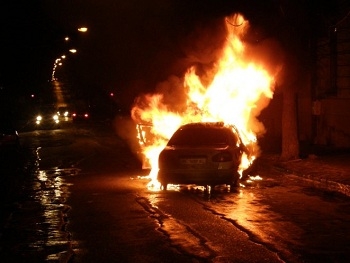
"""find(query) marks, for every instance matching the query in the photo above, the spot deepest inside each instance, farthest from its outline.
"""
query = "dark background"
(133, 45)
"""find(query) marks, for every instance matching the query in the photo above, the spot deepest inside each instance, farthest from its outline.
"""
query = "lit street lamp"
(82, 29)
(58, 62)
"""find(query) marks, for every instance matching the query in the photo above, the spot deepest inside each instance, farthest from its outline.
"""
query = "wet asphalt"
(34, 209)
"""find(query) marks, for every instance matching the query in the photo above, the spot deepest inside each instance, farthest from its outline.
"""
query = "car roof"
(204, 125)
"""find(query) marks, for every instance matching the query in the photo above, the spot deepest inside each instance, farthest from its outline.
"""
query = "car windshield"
(199, 136)
(62, 109)
(45, 110)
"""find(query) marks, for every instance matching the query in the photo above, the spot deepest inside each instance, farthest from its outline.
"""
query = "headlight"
(55, 118)
(38, 119)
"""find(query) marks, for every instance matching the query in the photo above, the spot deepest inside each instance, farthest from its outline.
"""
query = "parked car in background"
(80, 115)
(205, 154)
(10, 147)
(64, 114)
(9, 137)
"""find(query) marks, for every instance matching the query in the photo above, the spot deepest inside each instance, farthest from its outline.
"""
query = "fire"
(232, 96)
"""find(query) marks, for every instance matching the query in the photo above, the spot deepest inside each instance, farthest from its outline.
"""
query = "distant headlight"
(66, 114)
(38, 119)
(55, 118)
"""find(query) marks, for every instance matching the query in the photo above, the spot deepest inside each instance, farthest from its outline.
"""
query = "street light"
(82, 29)
(58, 61)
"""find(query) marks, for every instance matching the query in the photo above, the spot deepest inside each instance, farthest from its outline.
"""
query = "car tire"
(208, 189)
(251, 171)
(234, 183)
(163, 186)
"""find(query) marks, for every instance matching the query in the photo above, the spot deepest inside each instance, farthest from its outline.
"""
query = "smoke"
(201, 49)
(126, 129)
(269, 55)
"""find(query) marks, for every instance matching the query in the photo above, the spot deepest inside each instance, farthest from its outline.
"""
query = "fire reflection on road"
(248, 210)
(36, 230)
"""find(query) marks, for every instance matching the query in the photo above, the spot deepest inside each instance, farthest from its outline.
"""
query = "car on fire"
(204, 154)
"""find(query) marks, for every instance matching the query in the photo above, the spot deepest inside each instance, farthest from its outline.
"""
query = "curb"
(321, 183)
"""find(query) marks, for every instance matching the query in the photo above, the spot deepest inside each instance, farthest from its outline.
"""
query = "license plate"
(193, 161)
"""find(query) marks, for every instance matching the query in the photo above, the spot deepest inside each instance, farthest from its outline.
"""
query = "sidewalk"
(327, 171)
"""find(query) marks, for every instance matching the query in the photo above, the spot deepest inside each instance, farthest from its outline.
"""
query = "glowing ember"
(232, 96)
(254, 178)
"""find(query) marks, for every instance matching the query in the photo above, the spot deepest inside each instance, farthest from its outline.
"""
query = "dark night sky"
(128, 42)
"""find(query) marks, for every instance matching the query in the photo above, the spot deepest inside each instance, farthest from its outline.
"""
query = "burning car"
(201, 154)
(234, 91)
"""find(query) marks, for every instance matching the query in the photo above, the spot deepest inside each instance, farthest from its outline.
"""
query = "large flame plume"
(236, 93)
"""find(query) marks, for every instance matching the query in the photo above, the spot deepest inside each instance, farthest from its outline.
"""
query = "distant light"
(32, 95)
(66, 38)
(82, 29)
(111, 94)
(63, 56)
(73, 50)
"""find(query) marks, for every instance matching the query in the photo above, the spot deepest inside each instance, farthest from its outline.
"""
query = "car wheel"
(234, 183)
(163, 186)
(208, 189)
(250, 171)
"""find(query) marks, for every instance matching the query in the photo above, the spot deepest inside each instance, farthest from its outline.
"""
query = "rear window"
(199, 136)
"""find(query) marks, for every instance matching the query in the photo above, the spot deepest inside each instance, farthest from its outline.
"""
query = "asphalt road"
(84, 198)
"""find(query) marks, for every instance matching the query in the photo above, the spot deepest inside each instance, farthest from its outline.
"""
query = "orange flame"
(231, 97)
